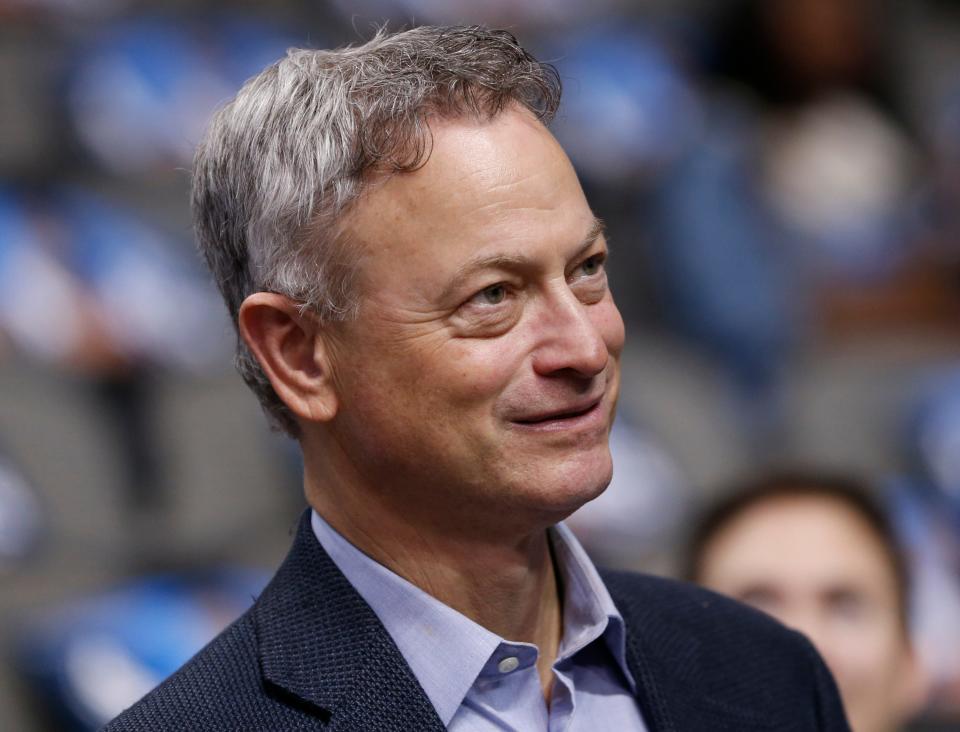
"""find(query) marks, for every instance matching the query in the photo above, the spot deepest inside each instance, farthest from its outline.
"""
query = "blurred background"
(781, 185)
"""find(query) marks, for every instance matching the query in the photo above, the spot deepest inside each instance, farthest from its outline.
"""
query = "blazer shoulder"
(220, 669)
(220, 688)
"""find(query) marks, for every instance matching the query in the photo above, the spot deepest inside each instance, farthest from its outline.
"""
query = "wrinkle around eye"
(591, 289)
(475, 320)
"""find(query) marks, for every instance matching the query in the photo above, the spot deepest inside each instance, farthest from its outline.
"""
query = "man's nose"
(569, 339)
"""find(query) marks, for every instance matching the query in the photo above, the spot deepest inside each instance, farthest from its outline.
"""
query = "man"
(420, 290)
(816, 552)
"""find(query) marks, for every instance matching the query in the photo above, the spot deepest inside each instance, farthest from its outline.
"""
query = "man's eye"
(592, 265)
(493, 295)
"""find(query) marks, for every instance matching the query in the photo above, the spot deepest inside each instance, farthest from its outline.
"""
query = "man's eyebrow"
(507, 261)
(597, 229)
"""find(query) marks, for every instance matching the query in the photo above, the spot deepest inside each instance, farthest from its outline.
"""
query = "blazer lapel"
(321, 646)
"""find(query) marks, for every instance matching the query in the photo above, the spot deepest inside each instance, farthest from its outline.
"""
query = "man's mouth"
(561, 417)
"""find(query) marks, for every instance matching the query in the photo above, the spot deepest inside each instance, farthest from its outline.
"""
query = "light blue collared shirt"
(479, 681)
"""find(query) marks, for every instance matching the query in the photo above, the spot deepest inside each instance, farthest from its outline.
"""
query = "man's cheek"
(485, 371)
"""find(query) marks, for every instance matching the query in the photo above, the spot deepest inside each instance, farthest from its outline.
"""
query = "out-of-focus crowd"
(780, 182)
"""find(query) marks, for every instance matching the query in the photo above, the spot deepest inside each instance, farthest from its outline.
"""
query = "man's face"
(481, 374)
(814, 564)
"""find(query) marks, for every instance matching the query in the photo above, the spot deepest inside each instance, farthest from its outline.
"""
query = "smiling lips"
(583, 414)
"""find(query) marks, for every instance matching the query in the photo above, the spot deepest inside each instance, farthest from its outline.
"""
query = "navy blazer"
(311, 655)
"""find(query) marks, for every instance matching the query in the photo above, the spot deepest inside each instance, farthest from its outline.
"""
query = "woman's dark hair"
(845, 490)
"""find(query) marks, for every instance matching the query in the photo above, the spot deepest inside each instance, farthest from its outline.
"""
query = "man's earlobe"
(291, 352)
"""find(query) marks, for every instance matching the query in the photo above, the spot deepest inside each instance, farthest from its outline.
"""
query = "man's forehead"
(498, 176)
(468, 152)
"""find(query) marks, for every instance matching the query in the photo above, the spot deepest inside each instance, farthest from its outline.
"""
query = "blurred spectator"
(43, 309)
(817, 553)
(794, 216)
(87, 285)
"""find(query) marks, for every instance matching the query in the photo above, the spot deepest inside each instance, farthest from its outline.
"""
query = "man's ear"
(291, 352)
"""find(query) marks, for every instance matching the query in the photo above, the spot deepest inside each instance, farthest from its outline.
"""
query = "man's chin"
(572, 485)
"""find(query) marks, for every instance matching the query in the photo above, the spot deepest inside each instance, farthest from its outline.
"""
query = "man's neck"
(508, 586)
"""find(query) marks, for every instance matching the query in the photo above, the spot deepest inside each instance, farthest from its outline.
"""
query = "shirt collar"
(588, 609)
(446, 650)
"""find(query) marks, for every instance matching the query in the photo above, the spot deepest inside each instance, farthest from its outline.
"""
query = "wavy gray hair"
(281, 163)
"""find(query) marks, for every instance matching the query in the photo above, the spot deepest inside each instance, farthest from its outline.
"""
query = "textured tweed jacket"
(311, 655)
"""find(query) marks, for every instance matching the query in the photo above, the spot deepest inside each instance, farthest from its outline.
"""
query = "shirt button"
(508, 664)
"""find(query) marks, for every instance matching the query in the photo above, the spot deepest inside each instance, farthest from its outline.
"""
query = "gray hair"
(281, 163)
